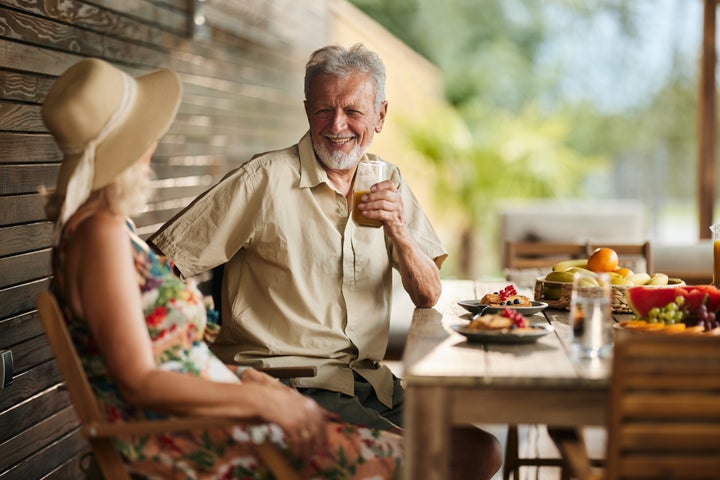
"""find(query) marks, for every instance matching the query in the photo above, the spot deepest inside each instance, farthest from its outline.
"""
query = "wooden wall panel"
(242, 74)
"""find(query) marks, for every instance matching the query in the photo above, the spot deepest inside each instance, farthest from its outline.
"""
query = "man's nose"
(339, 121)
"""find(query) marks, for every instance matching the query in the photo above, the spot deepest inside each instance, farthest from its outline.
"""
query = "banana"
(565, 264)
(658, 279)
(584, 271)
(620, 280)
(588, 282)
(562, 277)
(639, 278)
(617, 279)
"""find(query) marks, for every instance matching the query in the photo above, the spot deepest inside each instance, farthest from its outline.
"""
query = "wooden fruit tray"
(557, 294)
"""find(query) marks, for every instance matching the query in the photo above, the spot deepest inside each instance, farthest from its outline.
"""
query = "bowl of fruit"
(555, 288)
(687, 309)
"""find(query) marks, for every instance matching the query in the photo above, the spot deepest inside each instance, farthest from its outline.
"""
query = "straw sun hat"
(103, 120)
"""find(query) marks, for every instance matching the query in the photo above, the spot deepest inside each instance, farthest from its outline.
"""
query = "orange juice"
(357, 215)
(716, 263)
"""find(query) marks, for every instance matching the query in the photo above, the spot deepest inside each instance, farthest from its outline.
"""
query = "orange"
(603, 260)
(674, 328)
(623, 271)
(652, 327)
(634, 323)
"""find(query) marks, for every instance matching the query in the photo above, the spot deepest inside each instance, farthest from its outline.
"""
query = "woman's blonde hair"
(127, 194)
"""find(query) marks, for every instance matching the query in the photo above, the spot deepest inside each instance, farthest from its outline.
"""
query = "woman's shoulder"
(101, 227)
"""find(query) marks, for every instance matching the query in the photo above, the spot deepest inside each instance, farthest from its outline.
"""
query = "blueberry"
(517, 300)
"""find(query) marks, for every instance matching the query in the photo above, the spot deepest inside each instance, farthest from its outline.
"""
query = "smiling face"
(342, 117)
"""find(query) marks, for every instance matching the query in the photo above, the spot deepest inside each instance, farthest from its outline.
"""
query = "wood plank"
(59, 460)
(21, 208)
(78, 452)
(28, 148)
(30, 58)
(107, 22)
(16, 179)
(179, 193)
(23, 87)
(36, 437)
(154, 217)
(29, 383)
(25, 238)
(25, 267)
(32, 411)
(31, 353)
(168, 19)
(18, 117)
(19, 328)
(21, 298)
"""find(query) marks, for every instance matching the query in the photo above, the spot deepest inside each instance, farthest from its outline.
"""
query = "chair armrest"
(289, 372)
(112, 429)
(279, 372)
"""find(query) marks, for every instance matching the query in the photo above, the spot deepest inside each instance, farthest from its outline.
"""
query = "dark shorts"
(364, 408)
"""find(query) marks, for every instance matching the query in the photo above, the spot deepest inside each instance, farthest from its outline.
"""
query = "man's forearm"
(420, 275)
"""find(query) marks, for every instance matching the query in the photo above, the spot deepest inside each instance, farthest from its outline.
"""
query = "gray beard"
(339, 160)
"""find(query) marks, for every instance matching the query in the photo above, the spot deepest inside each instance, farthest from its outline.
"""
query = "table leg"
(427, 433)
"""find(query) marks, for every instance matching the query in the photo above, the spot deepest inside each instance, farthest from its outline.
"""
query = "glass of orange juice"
(715, 229)
(368, 173)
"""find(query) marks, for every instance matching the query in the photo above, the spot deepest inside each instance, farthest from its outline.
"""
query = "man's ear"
(380, 122)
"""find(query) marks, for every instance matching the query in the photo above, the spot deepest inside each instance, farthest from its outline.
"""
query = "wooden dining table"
(451, 381)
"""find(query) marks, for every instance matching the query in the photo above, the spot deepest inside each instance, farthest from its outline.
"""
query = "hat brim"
(156, 104)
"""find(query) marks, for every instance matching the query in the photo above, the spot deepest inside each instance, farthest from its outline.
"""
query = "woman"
(138, 328)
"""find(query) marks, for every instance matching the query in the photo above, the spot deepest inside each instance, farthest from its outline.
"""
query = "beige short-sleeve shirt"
(302, 284)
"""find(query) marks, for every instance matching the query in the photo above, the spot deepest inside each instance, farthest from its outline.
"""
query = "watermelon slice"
(713, 295)
(642, 298)
(694, 297)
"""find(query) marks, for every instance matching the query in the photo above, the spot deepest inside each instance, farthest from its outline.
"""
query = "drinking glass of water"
(591, 315)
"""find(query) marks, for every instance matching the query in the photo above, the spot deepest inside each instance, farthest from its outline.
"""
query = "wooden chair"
(99, 432)
(663, 412)
(541, 256)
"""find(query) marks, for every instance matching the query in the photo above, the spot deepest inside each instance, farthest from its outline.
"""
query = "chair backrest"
(541, 256)
(81, 394)
(664, 410)
(68, 361)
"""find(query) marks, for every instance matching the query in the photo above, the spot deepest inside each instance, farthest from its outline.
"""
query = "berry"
(519, 320)
(507, 292)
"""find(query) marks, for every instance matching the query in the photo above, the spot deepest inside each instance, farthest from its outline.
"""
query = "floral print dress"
(176, 319)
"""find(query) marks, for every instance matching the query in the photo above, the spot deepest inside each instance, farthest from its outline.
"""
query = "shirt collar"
(311, 171)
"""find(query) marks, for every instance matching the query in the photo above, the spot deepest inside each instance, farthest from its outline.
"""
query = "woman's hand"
(299, 416)
(250, 375)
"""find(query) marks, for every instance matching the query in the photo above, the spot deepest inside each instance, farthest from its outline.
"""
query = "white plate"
(519, 335)
(474, 306)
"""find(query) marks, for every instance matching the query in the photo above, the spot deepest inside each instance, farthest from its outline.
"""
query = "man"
(303, 284)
